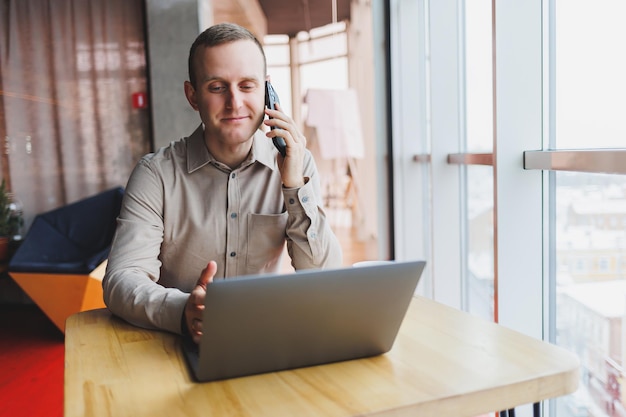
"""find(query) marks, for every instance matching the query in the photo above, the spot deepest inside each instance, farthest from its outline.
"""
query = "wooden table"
(443, 363)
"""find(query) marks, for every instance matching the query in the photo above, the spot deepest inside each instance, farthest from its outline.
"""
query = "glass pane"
(331, 74)
(480, 249)
(478, 76)
(590, 68)
(323, 48)
(590, 246)
(277, 50)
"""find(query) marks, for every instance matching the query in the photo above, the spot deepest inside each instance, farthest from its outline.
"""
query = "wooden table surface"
(444, 363)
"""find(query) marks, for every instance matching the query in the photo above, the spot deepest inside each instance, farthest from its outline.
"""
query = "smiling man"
(220, 203)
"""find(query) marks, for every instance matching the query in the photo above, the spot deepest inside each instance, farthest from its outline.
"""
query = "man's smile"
(234, 119)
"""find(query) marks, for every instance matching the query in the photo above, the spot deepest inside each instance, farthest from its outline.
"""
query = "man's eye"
(217, 88)
(246, 87)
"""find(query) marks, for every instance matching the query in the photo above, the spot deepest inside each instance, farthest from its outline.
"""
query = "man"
(219, 203)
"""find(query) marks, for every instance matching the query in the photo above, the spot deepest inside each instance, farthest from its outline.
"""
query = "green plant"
(11, 220)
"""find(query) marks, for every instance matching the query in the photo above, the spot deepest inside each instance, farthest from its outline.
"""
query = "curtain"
(69, 71)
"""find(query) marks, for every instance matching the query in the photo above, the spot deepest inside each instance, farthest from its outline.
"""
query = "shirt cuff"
(298, 200)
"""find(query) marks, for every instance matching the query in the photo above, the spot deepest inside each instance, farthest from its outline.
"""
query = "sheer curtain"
(69, 70)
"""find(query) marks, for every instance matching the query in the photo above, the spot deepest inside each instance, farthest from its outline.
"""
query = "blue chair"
(62, 259)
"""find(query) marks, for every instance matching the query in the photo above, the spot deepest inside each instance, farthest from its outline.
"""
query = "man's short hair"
(218, 35)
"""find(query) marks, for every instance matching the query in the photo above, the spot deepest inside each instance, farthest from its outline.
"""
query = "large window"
(313, 73)
(527, 194)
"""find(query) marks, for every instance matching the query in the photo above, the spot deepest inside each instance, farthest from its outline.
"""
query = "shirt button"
(233, 215)
(232, 254)
(291, 201)
(232, 175)
(305, 199)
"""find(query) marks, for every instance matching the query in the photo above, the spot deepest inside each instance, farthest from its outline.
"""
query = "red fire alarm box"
(140, 100)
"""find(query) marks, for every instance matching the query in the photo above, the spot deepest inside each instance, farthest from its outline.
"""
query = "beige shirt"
(182, 209)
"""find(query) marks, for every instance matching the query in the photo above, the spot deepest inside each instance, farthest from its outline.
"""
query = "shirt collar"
(263, 150)
(198, 154)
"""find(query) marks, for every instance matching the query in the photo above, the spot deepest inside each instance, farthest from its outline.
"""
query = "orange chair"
(61, 262)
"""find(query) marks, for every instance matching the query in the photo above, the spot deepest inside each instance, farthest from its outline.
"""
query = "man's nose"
(235, 98)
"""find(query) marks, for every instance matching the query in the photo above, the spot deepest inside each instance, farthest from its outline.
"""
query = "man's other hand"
(195, 302)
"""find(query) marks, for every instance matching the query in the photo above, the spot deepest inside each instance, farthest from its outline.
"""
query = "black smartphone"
(271, 98)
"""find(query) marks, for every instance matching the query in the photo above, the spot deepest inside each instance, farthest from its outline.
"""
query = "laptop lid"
(267, 323)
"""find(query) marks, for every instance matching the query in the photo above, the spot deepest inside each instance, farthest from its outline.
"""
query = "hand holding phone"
(271, 98)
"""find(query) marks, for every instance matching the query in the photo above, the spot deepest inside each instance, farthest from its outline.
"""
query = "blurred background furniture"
(62, 259)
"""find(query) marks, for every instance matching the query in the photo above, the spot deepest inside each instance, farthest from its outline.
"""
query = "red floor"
(31, 363)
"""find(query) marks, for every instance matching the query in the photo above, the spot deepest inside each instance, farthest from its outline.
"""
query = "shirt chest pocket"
(266, 239)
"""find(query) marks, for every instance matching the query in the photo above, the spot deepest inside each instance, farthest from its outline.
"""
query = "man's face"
(229, 92)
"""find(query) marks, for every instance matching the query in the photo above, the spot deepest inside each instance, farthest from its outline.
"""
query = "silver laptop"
(267, 323)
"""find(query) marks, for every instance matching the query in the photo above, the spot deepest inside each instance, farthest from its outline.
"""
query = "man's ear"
(190, 93)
